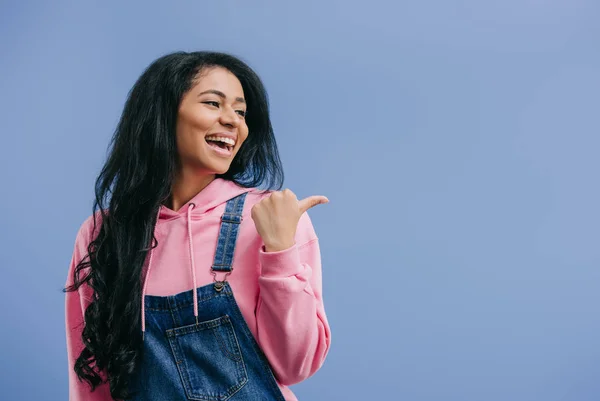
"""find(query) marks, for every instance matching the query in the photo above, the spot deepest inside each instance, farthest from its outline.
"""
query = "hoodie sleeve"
(292, 326)
(75, 304)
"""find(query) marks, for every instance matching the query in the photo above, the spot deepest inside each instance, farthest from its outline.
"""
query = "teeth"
(228, 141)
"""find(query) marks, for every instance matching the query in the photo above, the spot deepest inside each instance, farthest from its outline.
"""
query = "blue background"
(458, 142)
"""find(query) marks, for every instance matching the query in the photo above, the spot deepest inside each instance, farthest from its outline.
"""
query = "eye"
(241, 112)
(215, 104)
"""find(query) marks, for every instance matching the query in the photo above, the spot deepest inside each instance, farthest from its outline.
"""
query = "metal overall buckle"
(219, 284)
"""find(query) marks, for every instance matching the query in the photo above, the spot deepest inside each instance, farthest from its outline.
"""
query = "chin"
(220, 169)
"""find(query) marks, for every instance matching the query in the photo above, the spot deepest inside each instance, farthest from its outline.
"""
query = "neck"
(187, 185)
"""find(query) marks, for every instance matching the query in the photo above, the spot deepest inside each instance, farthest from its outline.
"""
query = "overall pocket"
(209, 359)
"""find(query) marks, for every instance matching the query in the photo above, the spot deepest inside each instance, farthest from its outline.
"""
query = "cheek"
(197, 120)
(244, 137)
(194, 128)
(188, 138)
(184, 137)
(244, 133)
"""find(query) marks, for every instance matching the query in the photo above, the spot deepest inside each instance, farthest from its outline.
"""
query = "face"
(211, 125)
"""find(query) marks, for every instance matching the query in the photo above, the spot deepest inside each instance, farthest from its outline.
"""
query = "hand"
(276, 218)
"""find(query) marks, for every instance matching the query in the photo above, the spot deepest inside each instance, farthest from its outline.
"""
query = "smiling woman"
(154, 310)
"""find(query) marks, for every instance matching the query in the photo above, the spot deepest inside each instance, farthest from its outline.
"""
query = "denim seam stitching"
(187, 304)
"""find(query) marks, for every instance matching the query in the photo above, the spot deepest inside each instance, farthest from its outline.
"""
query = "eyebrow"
(222, 95)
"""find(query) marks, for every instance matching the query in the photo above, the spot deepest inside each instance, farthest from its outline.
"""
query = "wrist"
(279, 246)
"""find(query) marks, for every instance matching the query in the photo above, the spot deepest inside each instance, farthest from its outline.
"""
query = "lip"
(228, 135)
(219, 151)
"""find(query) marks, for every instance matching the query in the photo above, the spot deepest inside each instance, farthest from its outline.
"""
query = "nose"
(229, 117)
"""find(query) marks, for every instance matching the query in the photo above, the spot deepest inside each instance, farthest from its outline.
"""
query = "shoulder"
(254, 196)
(87, 232)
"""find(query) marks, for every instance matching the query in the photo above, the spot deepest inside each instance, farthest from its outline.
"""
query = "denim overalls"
(213, 357)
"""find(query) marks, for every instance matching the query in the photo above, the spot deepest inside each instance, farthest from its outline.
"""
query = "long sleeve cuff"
(283, 263)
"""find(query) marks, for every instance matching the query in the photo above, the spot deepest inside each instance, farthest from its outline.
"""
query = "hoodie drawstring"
(192, 266)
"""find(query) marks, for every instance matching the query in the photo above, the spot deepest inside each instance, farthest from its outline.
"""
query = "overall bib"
(204, 352)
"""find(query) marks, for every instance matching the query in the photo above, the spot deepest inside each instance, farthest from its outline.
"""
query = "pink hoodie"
(279, 293)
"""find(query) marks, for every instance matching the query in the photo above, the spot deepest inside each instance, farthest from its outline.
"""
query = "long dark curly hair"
(133, 183)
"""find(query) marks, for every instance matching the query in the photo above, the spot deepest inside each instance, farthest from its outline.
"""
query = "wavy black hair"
(134, 182)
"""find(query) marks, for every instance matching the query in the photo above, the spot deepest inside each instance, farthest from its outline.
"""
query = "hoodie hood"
(216, 193)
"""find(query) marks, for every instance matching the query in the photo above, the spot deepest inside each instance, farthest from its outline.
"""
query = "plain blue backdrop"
(458, 142)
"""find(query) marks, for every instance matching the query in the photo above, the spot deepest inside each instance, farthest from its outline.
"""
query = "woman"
(188, 282)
